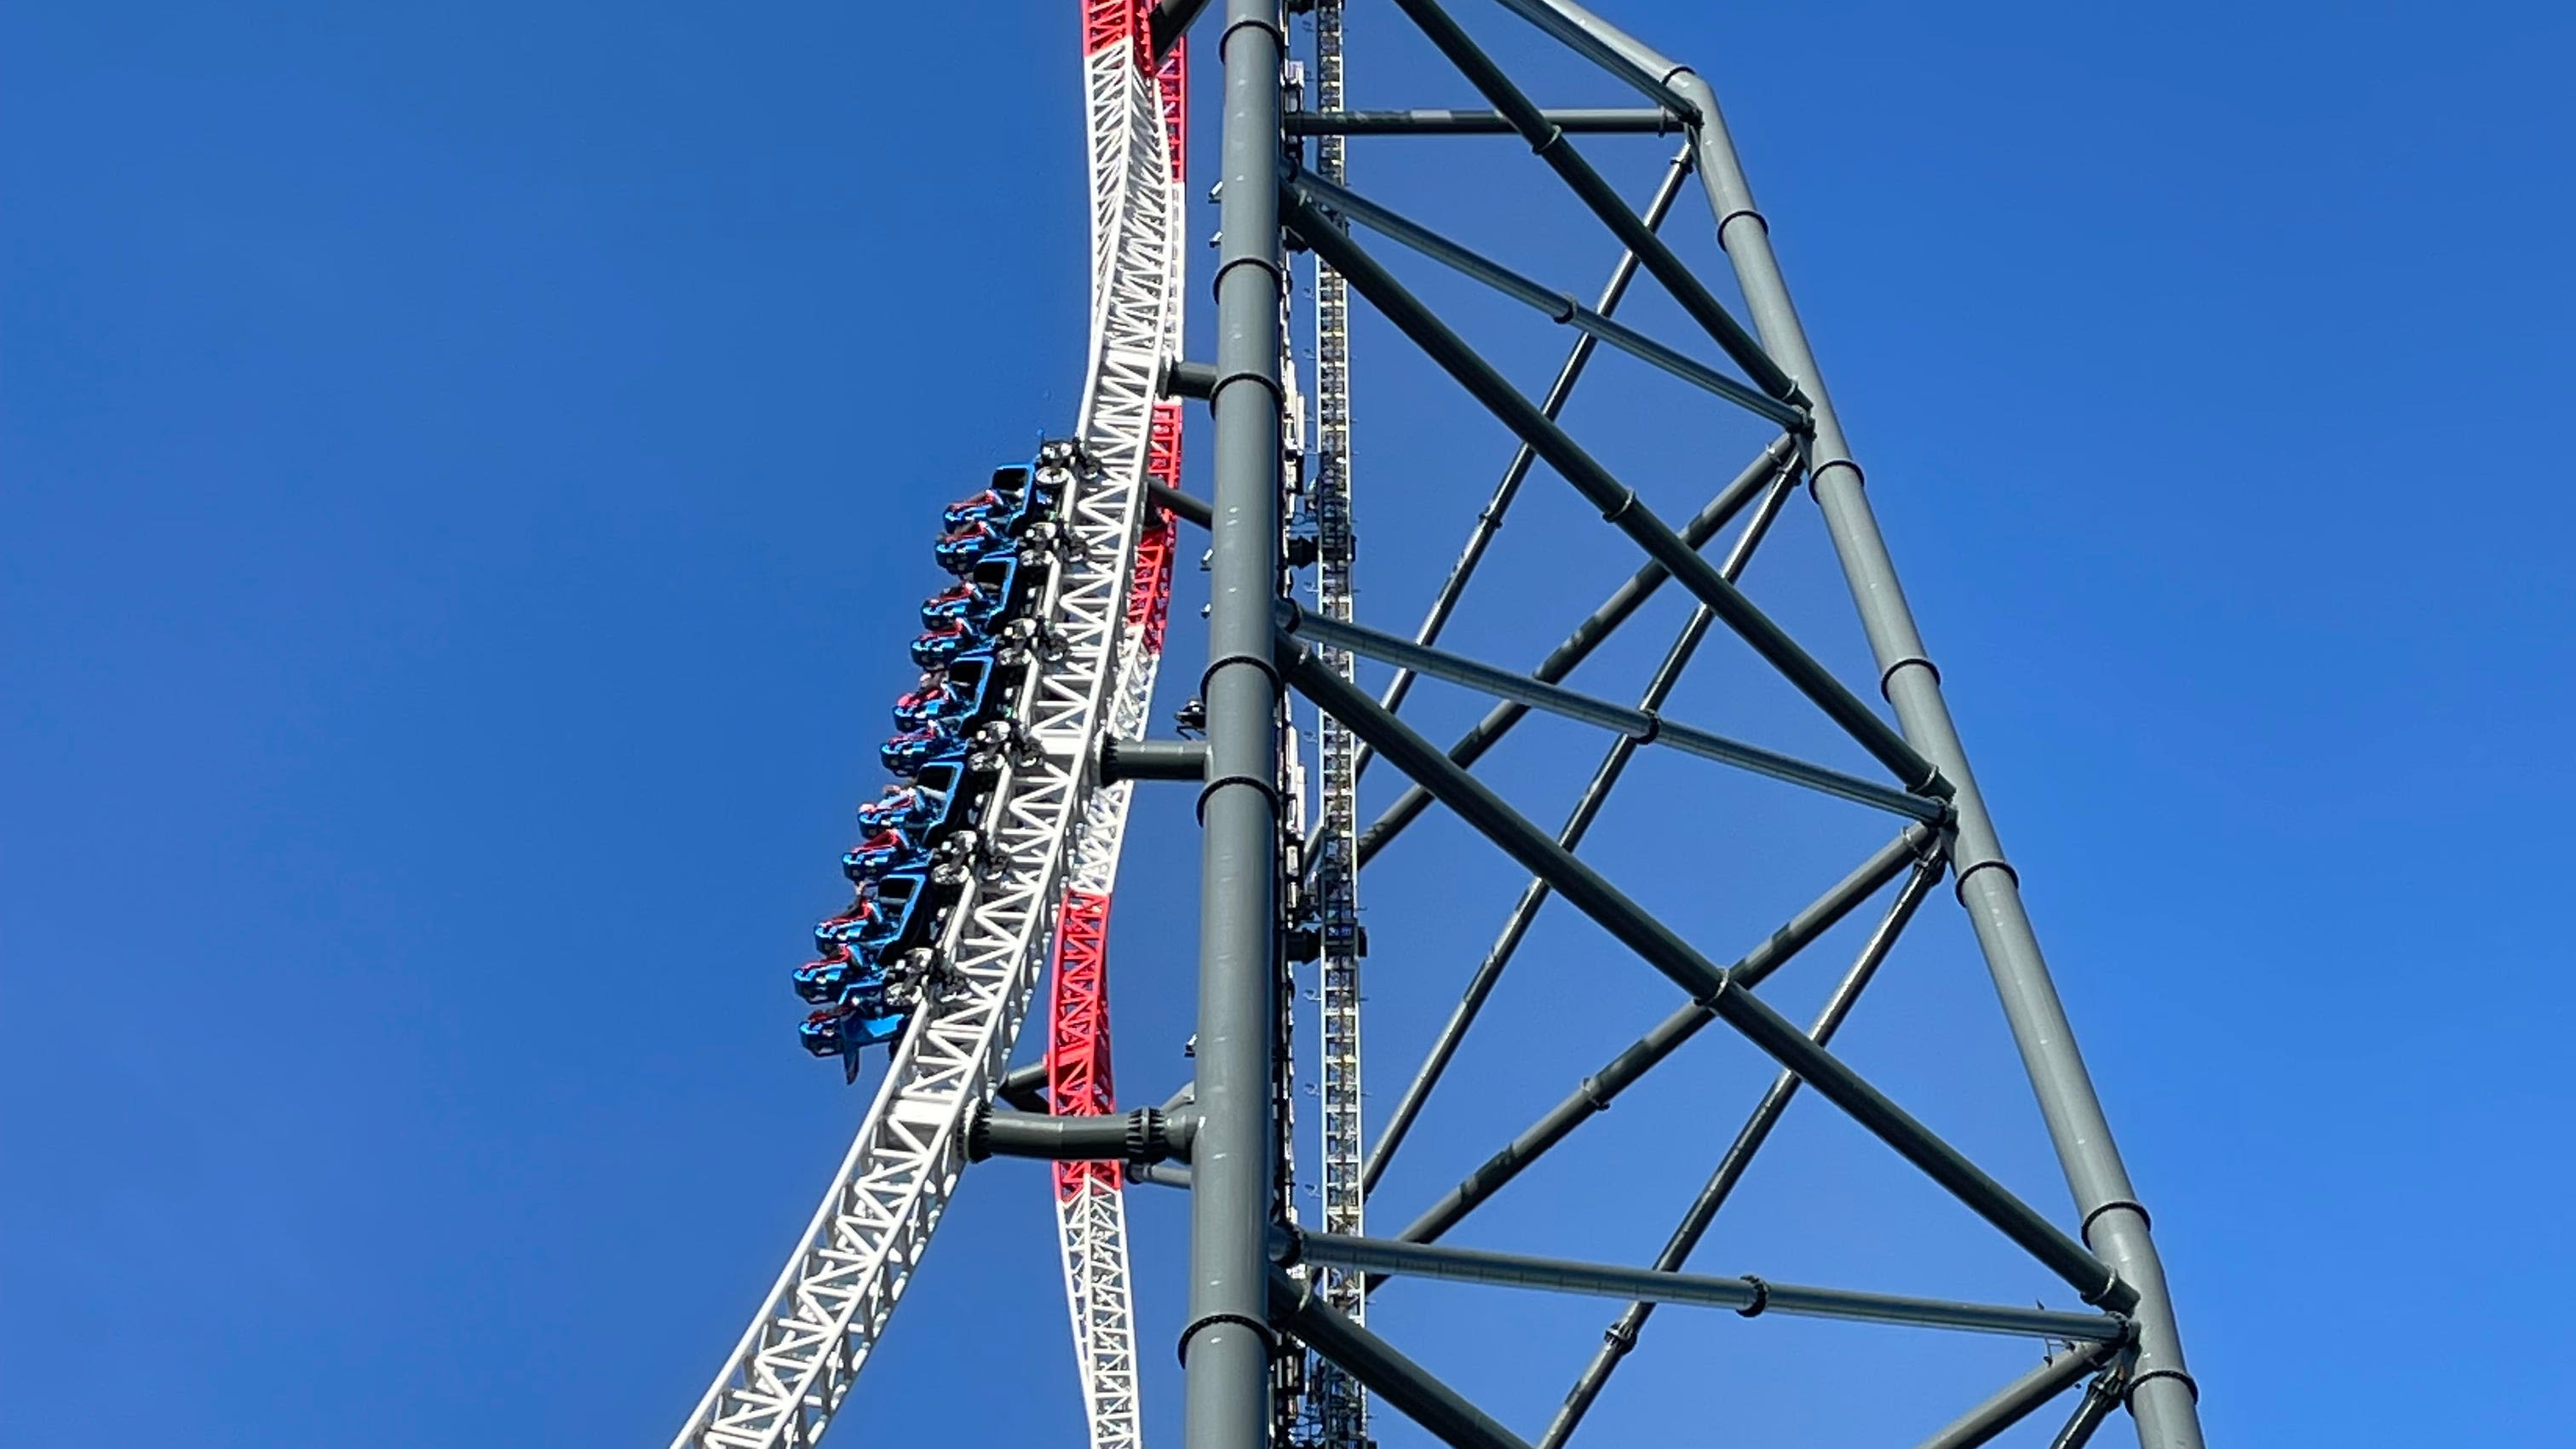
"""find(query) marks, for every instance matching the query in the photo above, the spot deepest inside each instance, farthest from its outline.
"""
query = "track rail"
(1090, 1202)
(1050, 828)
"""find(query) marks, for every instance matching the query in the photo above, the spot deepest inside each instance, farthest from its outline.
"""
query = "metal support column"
(2161, 1392)
(1225, 1348)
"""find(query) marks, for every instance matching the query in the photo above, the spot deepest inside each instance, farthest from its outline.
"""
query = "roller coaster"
(983, 872)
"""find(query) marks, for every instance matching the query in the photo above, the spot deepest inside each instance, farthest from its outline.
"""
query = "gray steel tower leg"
(1226, 1347)
(2161, 1393)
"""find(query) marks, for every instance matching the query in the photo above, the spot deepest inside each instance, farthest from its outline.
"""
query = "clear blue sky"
(466, 477)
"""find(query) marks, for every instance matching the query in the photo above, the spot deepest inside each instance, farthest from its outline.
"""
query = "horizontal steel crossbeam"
(1550, 145)
(1559, 306)
(1578, 644)
(1489, 519)
(1746, 1295)
(1645, 726)
(1738, 1159)
(1618, 503)
(1651, 939)
(1427, 121)
(1594, 1094)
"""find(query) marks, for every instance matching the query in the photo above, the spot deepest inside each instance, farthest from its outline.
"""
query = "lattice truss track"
(1051, 830)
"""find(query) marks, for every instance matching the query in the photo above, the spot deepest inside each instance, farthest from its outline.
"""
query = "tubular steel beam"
(1169, 21)
(1618, 503)
(1622, 1334)
(1152, 760)
(1435, 122)
(2162, 1395)
(1644, 726)
(1609, 57)
(1390, 1375)
(1184, 378)
(1024, 1087)
(1558, 393)
(2023, 1397)
(1160, 1174)
(1747, 1295)
(1516, 925)
(2101, 1400)
(1181, 505)
(1708, 986)
(1226, 1344)
(1577, 646)
(1144, 1135)
(1550, 145)
(1594, 1094)
(1559, 306)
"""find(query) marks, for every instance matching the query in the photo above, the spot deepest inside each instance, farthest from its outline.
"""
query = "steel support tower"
(1276, 1347)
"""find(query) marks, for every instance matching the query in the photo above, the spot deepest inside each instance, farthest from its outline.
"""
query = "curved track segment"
(787, 1377)
(1091, 1212)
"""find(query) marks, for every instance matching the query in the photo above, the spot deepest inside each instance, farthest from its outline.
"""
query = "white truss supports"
(788, 1376)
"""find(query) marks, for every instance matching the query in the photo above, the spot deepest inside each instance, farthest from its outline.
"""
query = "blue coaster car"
(990, 506)
(960, 550)
(944, 641)
(951, 792)
(835, 938)
(842, 982)
(834, 1033)
(881, 852)
(922, 703)
(925, 811)
(901, 807)
(1009, 502)
(953, 698)
(965, 603)
(900, 911)
(906, 753)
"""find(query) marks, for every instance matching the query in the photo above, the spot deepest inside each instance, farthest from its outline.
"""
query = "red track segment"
(1079, 1080)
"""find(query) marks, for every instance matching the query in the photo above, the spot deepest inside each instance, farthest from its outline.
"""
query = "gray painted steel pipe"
(1747, 1295)
(1644, 726)
(1182, 505)
(1596, 793)
(1585, 890)
(2162, 1395)
(1618, 503)
(1594, 1094)
(1550, 145)
(1577, 646)
(1559, 307)
(1152, 760)
(1143, 1135)
(1390, 1375)
(1621, 1336)
(1024, 1087)
(2101, 1400)
(2021, 1398)
(1428, 121)
(1489, 520)
(1225, 1347)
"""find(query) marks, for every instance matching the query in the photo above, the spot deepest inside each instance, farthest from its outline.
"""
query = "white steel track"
(1091, 1221)
(786, 1379)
